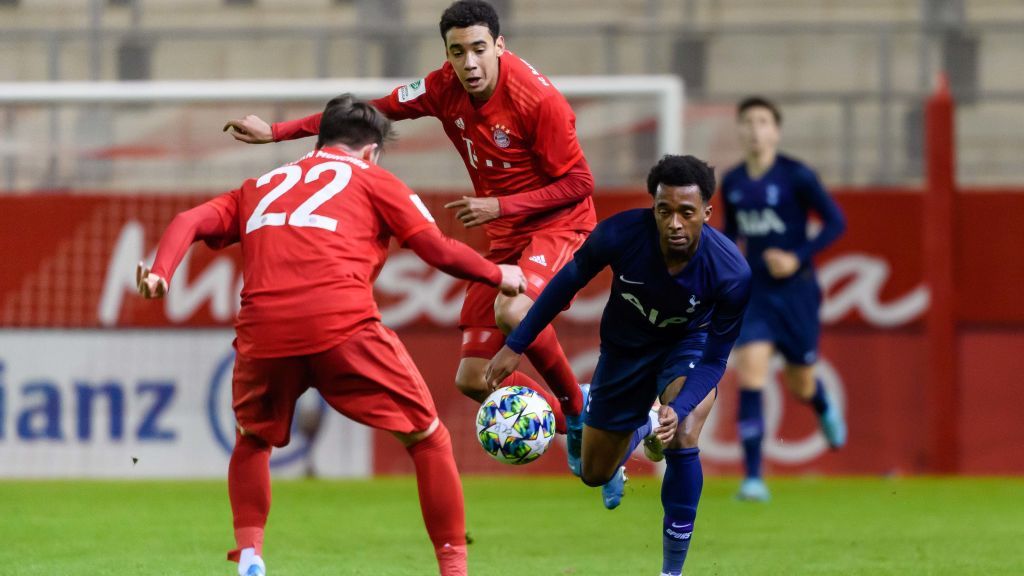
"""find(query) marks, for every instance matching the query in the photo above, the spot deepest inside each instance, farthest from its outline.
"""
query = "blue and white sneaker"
(611, 493)
(753, 490)
(251, 565)
(574, 433)
(833, 426)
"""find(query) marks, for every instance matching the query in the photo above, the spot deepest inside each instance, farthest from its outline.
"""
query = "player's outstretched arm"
(569, 188)
(214, 222)
(555, 297)
(252, 130)
(459, 260)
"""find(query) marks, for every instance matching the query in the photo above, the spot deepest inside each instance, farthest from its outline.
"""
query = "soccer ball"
(515, 425)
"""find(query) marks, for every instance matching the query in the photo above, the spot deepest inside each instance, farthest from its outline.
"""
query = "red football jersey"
(314, 236)
(520, 139)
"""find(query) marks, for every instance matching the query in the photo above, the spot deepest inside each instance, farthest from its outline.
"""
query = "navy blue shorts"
(788, 318)
(626, 383)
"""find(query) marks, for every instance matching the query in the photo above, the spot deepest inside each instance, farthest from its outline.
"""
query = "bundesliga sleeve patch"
(412, 90)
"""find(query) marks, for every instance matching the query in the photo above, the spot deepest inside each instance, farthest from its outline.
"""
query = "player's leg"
(481, 340)
(440, 494)
(683, 481)
(477, 352)
(264, 395)
(753, 367)
(602, 454)
(540, 260)
(371, 379)
(805, 385)
(799, 331)
(617, 418)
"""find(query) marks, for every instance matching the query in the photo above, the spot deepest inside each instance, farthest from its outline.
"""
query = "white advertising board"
(142, 403)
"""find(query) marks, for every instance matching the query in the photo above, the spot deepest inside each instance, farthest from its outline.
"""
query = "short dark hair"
(350, 121)
(682, 171)
(759, 102)
(466, 13)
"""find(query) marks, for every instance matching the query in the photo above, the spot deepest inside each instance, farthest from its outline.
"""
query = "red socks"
(440, 492)
(547, 357)
(249, 490)
(520, 379)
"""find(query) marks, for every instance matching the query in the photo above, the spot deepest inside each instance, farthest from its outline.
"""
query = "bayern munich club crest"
(501, 137)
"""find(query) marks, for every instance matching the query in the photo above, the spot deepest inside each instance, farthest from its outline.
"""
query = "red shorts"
(540, 257)
(369, 378)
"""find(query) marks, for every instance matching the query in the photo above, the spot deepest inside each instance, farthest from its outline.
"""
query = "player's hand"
(781, 263)
(500, 367)
(513, 281)
(474, 211)
(668, 421)
(149, 285)
(252, 130)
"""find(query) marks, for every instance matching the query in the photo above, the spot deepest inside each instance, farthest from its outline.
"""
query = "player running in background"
(517, 137)
(767, 201)
(678, 295)
(314, 234)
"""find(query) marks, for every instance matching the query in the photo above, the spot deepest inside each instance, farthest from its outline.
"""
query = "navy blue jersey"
(649, 307)
(771, 212)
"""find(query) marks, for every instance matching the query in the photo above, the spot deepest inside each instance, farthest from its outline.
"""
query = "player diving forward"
(767, 200)
(517, 137)
(314, 234)
(677, 300)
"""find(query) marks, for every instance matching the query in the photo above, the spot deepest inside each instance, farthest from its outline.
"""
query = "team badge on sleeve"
(412, 90)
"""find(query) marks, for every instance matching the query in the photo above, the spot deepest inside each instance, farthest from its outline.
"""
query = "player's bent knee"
(470, 380)
(688, 440)
(474, 388)
(413, 438)
(595, 480)
(509, 312)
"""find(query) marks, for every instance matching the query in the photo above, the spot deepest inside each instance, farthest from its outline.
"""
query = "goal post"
(667, 89)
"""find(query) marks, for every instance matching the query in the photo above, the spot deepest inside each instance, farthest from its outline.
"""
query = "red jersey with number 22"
(314, 236)
(520, 139)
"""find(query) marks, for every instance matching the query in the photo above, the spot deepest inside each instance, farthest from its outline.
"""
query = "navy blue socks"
(680, 493)
(751, 430)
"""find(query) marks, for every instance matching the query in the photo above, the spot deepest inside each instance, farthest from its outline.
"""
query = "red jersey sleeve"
(295, 129)
(415, 99)
(576, 184)
(411, 100)
(453, 257)
(401, 210)
(554, 135)
(215, 222)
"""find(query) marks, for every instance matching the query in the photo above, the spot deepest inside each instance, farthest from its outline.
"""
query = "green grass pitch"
(520, 526)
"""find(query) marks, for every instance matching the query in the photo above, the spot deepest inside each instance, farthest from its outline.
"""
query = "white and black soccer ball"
(515, 425)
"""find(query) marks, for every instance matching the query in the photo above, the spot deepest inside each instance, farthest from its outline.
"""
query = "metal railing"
(616, 42)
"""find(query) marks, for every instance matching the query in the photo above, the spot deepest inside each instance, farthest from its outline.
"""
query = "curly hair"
(466, 13)
(682, 171)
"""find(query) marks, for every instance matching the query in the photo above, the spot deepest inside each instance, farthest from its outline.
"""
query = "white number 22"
(303, 215)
